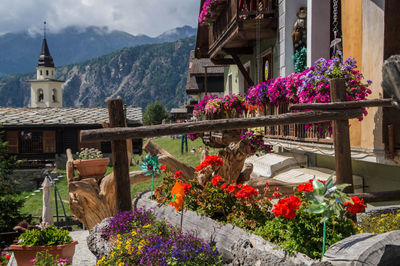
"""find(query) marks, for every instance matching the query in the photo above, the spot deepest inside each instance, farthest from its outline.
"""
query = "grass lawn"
(33, 204)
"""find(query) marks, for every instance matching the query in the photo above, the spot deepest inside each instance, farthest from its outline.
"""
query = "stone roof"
(178, 111)
(196, 66)
(62, 116)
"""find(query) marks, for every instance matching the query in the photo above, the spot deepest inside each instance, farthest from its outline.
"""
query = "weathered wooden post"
(120, 157)
(341, 138)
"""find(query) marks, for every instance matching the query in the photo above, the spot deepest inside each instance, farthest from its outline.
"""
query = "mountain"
(19, 51)
(139, 75)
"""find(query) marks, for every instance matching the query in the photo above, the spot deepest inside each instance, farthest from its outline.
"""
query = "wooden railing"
(229, 12)
(294, 132)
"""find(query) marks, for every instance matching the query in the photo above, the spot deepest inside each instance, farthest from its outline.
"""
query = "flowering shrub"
(199, 109)
(256, 141)
(233, 105)
(45, 258)
(4, 258)
(213, 108)
(287, 207)
(380, 224)
(158, 243)
(206, 11)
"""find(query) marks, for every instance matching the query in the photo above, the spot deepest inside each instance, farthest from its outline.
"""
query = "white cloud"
(150, 17)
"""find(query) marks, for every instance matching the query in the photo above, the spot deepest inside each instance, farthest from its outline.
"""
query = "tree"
(10, 203)
(154, 114)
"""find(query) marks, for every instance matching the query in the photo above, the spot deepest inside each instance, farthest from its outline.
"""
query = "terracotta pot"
(23, 254)
(93, 168)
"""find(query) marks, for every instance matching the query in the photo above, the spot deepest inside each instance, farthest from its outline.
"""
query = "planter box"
(93, 168)
(23, 254)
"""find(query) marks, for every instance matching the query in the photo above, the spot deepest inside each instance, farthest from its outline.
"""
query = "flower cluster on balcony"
(207, 10)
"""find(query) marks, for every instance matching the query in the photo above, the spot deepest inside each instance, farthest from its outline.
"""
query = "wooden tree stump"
(233, 158)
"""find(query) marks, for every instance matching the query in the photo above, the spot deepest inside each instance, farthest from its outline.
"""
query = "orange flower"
(177, 193)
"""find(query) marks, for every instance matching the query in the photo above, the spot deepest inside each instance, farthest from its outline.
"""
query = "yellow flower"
(381, 220)
(384, 215)
(147, 226)
(133, 233)
(139, 247)
(112, 254)
(373, 218)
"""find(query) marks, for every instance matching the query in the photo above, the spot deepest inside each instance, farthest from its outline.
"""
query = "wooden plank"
(107, 134)
(341, 138)
(342, 105)
(120, 157)
(49, 141)
(378, 196)
(12, 141)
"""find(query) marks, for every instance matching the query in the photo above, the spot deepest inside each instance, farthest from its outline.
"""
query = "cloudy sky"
(150, 17)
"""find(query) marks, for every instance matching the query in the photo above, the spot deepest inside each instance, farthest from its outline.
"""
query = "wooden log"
(341, 139)
(245, 174)
(166, 158)
(120, 157)
(108, 134)
(378, 196)
(342, 105)
(233, 158)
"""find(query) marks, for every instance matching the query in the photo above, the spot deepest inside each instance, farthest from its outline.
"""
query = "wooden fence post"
(120, 157)
(341, 138)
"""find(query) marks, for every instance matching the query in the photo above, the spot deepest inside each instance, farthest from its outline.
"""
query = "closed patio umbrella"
(47, 215)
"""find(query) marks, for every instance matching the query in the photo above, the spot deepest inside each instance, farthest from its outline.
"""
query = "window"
(230, 83)
(52, 72)
(31, 141)
(40, 95)
(47, 72)
(54, 95)
(41, 73)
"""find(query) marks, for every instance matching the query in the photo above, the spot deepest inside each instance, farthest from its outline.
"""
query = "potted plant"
(56, 241)
(91, 164)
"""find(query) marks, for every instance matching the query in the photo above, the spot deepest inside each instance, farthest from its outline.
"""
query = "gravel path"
(82, 255)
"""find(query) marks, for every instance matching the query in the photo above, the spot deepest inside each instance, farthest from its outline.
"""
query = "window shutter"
(12, 140)
(49, 141)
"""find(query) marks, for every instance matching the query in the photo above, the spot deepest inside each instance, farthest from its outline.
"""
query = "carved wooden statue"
(299, 33)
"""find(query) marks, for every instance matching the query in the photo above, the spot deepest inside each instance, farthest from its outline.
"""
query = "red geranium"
(215, 180)
(186, 187)
(287, 207)
(275, 194)
(223, 186)
(212, 160)
(246, 192)
(230, 189)
(357, 205)
(178, 174)
(306, 187)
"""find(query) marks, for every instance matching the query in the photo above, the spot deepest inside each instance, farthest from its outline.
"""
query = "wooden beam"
(341, 138)
(69, 167)
(107, 134)
(238, 51)
(222, 61)
(120, 157)
(378, 196)
(342, 105)
(241, 68)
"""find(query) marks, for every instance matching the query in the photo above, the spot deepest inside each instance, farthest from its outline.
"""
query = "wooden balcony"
(294, 132)
(234, 25)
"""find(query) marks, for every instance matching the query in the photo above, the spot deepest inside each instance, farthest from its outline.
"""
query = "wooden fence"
(338, 111)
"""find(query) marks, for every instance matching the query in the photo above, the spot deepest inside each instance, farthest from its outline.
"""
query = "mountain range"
(19, 51)
(139, 75)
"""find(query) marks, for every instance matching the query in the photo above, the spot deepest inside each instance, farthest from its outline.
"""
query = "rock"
(366, 249)
(391, 78)
(96, 244)
(236, 246)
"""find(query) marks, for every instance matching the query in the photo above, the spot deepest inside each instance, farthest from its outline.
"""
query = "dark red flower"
(223, 186)
(186, 187)
(178, 174)
(215, 180)
(275, 194)
(230, 189)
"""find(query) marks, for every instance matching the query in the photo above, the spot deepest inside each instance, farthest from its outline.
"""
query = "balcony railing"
(239, 17)
(294, 132)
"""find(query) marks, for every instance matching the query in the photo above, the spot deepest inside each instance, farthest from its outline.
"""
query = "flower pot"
(93, 168)
(24, 254)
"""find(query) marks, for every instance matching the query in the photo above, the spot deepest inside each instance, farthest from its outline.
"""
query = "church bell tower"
(46, 91)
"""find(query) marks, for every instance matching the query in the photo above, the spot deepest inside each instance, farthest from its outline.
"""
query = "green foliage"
(300, 60)
(304, 232)
(154, 114)
(10, 204)
(87, 154)
(49, 236)
(383, 223)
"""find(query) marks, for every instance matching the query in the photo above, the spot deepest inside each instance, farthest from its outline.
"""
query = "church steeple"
(46, 91)
(45, 59)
